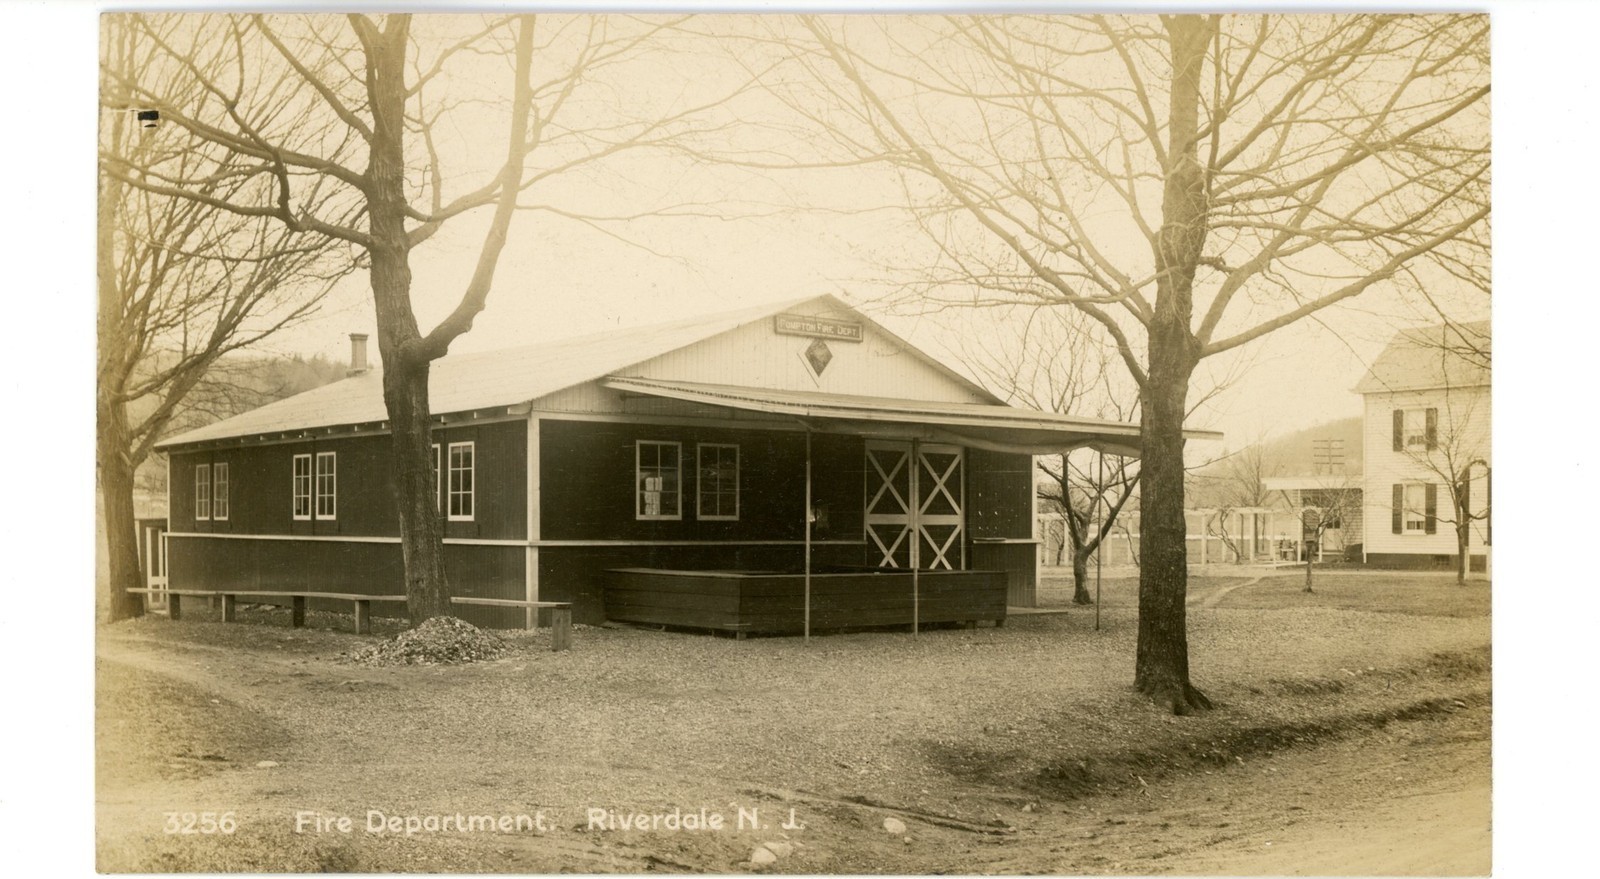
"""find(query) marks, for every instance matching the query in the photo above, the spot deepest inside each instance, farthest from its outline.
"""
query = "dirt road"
(1410, 799)
(184, 724)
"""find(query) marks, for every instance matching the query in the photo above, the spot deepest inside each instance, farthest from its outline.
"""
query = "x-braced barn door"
(925, 499)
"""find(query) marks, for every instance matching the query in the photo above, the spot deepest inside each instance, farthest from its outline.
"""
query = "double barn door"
(919, 504)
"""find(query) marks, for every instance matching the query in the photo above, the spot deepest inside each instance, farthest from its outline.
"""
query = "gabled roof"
(508, 377)
(1422, 358)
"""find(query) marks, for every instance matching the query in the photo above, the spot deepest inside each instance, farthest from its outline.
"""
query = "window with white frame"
(202, 491)
(1415, 435)
(302, 486)
(219, 492)
(461, 481)
(327, 499)
(718, 486)
(657, 492)
(1414, 513)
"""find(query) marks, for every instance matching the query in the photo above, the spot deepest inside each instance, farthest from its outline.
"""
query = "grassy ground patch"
(1372, 591)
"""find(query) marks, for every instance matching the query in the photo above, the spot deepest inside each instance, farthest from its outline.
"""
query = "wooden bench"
(297, 603)
(560, 615)
(560, 611)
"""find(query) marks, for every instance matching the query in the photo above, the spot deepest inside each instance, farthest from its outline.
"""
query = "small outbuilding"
(774, 469)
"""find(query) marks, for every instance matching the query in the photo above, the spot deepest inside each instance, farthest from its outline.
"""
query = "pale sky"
(784, 234)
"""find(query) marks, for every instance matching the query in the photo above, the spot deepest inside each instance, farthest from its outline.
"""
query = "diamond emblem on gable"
(819, 356)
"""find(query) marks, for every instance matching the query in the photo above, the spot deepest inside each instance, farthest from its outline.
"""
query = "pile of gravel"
(438, 641)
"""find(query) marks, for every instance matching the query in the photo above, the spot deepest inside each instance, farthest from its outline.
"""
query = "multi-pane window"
(302, 486)
(657, 491)
(327, 486)
(202, 491)
(219, 492)
(1415, 428)
(719, 481)
(1415, 511)
(461, 481)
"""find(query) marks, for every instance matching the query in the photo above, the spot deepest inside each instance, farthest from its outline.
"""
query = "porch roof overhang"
(992, 427)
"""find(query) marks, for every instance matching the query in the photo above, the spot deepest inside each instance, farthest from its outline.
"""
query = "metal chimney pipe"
(358, 353)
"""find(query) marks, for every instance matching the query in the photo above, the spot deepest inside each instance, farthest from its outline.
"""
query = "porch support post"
(1099, 550)
(808, 534)
(916, 536)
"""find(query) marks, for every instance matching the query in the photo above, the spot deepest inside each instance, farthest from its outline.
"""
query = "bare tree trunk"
(1463, 538)
(1080, 577)
(1307, 551)
(405, 391)
(1161, 668)
(114, 464)
(1066, 542)
(405, 377)
(115, 472)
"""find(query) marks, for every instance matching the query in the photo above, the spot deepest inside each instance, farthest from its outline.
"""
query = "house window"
(1415, 429)
(461, 463)
(302, 486)
(219, 492)
(1414, 515)
(719, 481)
(202, 491)
(657, 494)
(327, 500)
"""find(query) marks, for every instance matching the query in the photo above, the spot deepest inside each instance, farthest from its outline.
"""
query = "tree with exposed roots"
(1192, 183)
(351, 128)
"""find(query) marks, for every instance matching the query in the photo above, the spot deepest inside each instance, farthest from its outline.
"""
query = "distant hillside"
(233, 385)
(1292, 454)
(1232, 480)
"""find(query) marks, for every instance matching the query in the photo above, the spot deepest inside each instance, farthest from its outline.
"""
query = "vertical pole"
(914, 521)
(561, 628)
(530, 554)
(808, 534)
(1099, 550)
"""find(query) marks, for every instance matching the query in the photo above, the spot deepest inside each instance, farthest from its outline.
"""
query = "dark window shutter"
(1432, 429)
(1399, 508)
(1431, 508)
(1399, 430)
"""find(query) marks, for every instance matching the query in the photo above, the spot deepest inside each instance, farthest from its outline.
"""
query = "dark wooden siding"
(501, 472)
(261, 486)
(775, 603)
(999, 494)
(587, 483)
(1019, 561)
(577, 573)
(366, 568)
(1000, 507)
